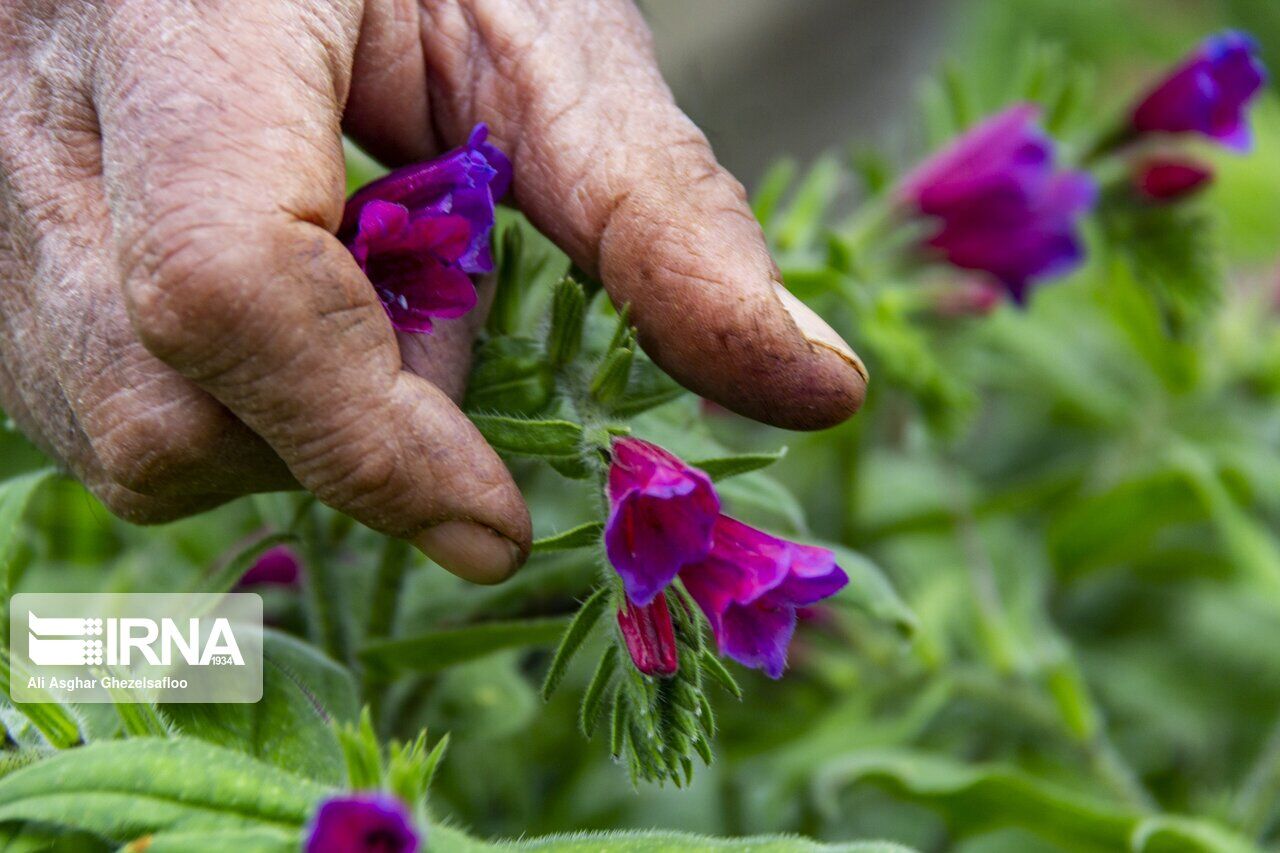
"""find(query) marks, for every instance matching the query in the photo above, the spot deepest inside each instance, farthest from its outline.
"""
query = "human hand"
(179, 326)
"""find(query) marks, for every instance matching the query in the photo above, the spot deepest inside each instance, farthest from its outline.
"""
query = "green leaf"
(432, 762)
(623, 335)
(959, 98)
(610, 380)
(568, 309)
(447, 839)
(303, 694)
(121, 790)
(593, 698)
(870, 591)
(437, 650)
(509, 374)
(15, 494)
(57, 723)
(656, 841)
(647, 389)
(1172, 249)
(582, 536)
(731, 466)
(773, 186)
(758, 499)
(976, 799)
(256, 840)
(484, 700)
(713, 667)
(361, 753)
(874, 170)
(139, 719)
(585, 619)
(803, 220)
(527, 437)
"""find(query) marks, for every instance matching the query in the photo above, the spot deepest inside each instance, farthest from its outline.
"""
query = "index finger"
(609, 167)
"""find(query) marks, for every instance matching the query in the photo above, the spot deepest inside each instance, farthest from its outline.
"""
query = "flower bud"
(650, 638)
(278, 566)
(970, 297)
(1162, 179)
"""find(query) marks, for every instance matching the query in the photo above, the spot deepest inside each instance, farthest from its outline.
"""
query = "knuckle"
(188, 282)
(157, 450)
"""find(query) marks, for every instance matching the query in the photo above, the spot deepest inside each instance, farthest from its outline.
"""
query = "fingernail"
(471, 551)
(816, 331)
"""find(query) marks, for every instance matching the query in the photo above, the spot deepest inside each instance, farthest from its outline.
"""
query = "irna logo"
(63, 641)
(135, 647)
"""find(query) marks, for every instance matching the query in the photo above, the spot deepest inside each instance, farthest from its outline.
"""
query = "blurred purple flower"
(362, 823)
(664, 521)
(660, 516)
(1207, 93)
(750, 586)
(999, 203)
(419, 232)
(278, 566)
(1164, 179)
(649, 636)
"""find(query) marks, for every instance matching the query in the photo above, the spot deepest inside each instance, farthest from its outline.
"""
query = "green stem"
(325, 598)
(392, 567)
(1255, 803)
(388, 582)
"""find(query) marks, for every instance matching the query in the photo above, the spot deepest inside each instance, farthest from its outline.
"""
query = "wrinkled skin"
(179, 326)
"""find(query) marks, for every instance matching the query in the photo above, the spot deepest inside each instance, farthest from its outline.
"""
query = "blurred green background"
(1079, 505)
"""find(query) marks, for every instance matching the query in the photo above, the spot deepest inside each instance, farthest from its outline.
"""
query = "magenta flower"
(1207, 93)
(650, 638)
(278, 566)
(664, 521)
(660, 516)
(362, 823)
(750, 586)
(999, 204)
(1164, 179)
(421, 231)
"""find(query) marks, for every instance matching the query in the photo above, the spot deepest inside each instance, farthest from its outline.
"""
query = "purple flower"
(650, 638)
(278, 566)
(660, 516)
(750, 586)
(362, 823)
(421, 231)
(1207, 93)
(665, 521)
(999, 203)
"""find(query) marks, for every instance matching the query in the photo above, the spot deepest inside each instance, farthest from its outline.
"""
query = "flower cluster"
(1000, 203)
(997, 202)
(665, 521)
(362, 823)
(420, 232)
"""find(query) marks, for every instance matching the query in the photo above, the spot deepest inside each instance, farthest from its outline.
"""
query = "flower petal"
(362, 823)
(660, 516)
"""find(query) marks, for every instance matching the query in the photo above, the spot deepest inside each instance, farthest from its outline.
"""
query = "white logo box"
(135, 647)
